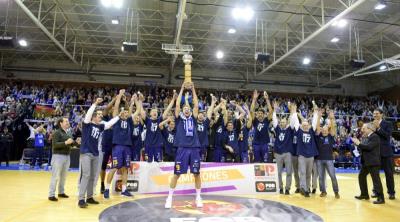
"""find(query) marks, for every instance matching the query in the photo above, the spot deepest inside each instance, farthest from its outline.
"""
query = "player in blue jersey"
(122, 143)
(106, 144)
(221, 119)
(137, 128)
(137, 141)
(306, 147)
(203, 125)
(154, 140)
(325, 144)
(91, 130)
(231, 144)
(168, 131)
(244, 125)
(261, 128)
(231, 137)
(187, 142)
(283, 149)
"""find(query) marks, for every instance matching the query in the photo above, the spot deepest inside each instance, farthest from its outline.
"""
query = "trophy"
(187, 59)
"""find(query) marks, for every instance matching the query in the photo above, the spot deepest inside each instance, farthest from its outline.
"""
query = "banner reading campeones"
(217, 178)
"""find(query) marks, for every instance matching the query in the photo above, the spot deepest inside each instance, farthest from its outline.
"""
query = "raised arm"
(249, 123)
(240, 109)
(253, 104)
(89, 113)
(266, 97)
(163, 123)
(170, 105)
(195, 102)
(109, 106)
(274, 117)
(118, 102)
(224, 112)
(140, 104)
(211, 108)
(294, 120)
(315, 120)
(178, 102)
(332, 124)
(109, 124)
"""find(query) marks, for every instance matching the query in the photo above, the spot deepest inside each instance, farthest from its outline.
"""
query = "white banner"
(217, 178)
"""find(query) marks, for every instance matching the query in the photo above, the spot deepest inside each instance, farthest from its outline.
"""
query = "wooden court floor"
(23, 198)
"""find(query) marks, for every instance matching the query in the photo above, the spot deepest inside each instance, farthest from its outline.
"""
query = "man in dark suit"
(384, 130)
(370, 160)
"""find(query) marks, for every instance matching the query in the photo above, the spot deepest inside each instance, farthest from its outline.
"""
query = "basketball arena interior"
(199, 110)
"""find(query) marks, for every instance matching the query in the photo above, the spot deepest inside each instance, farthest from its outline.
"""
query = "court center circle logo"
(215, 209)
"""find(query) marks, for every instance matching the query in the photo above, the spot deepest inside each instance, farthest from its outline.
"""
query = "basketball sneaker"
(168, 203)
(199, 202)
(106, 194)
(126, 193)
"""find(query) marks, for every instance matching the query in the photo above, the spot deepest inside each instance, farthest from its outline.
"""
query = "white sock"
(123, 188)
(108, 186)
(198, 191)
(170, 192)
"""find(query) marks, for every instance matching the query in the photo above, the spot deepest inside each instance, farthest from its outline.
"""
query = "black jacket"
(384, 132)
(370, 151)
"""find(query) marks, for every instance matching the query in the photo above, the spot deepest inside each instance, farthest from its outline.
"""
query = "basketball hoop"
(173, 50)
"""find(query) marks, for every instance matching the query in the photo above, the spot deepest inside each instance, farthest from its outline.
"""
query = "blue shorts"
(106, 157)
(260, 153)
(186, 157)
(121, 156)
(153, 153)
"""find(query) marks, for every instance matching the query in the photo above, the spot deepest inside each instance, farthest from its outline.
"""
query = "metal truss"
(84, 31)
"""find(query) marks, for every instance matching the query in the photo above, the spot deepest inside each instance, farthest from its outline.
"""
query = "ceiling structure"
(76, 37)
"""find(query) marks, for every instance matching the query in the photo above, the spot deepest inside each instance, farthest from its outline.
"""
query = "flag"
(42, 111)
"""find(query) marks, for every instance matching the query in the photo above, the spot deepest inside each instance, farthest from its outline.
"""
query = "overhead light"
(231, 31)
(23, 43)
(106, 3)
(381, 5)
(306, 61)
(113, 3)
(335, 39)
(340, 23)
(245, 14)
(382, 67)
(115, 21)
(118, 3)
(219, 54)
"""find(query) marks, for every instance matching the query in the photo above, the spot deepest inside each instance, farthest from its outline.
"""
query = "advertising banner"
(217, 178)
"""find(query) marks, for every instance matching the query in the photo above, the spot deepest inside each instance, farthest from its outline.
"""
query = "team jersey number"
(124, 124)
(231, 137)
(95, 132)
(260, 126)
(306, 138)
(136, 132)
(219, 130)
(200, 128)
(154, 127)
(170, 138)
(281, 136)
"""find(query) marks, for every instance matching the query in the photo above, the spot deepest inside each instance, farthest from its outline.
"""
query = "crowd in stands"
(18, 101)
